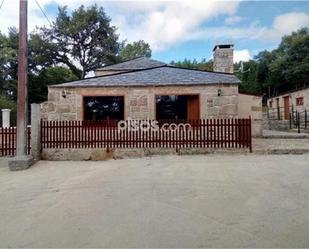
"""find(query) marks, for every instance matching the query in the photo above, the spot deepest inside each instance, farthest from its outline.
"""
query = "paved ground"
(172, 201)
(280, 146)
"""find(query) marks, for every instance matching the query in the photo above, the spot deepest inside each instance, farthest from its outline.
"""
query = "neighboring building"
(297, 100)
(143, 88)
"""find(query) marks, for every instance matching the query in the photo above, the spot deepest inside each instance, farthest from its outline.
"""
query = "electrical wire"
(43, 12)
(1, 4)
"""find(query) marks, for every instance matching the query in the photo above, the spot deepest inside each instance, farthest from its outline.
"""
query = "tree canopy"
(133, 50)
(83, 40)
(75, 44)
(194, 64)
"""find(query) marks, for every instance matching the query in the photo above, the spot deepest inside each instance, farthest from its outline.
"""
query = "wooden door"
(286, 107)
(193, 107)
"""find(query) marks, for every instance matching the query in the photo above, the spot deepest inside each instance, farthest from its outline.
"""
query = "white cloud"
(284, 25)
(167, 23)
(233, 20)
(241, 55)
(10, 11)
(160, 23)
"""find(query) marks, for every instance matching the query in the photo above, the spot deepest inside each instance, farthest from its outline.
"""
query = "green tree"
(40, 70)
(8, 62)
(133, 50)
(264, 59)
(6, 103)
(247, 73)
(49, 76)
(83, 41)
(205, 65)
(290, 68)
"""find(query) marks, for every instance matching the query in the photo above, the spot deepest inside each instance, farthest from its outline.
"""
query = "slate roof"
(158, 76)
(134, 64)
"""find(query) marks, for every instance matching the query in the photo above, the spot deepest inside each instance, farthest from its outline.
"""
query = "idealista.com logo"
(151, 125)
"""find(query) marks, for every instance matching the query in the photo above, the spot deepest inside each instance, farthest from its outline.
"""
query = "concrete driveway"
(171, 201)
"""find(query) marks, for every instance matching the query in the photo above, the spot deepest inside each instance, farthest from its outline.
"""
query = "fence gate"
(203, 133)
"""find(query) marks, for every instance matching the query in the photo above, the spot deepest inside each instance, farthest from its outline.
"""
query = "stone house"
(143, 88)
(297, 100)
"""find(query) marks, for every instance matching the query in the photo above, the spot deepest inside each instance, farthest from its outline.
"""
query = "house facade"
(297, 100)
(143, 88)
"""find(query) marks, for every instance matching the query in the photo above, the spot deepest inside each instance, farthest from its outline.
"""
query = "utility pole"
(22, 161)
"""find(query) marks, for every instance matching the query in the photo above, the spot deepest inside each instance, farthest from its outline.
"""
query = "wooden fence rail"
(8, 141)
(204, 133)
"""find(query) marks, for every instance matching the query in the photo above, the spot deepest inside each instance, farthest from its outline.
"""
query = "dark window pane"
(103, 108)
(171, 107)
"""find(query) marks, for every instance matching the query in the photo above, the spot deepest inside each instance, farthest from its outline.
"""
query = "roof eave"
(145, 85)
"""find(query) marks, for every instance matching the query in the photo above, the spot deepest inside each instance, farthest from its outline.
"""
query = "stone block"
(20, 163)
(213, 111)
(233, 100)
(54, 95)
(47, 107)
(142, 101)
(134, 108)
(53, 116)
(228, 110)
(101, 155)
(222, 100)
(79, 101)
(144, 109)
(63, 108)
(133, 102)
(128, 153)
(210, 102)
(68, 116)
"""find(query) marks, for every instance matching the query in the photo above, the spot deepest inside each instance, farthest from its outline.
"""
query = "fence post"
(6, 118)
(267, 108)
(36, 131)
(306, 117)
(278, 113)
(298, 121)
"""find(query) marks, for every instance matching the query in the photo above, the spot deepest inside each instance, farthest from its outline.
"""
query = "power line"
(1, 4)
(43, 12)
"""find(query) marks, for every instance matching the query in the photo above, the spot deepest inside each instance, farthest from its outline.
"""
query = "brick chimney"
(223, 58)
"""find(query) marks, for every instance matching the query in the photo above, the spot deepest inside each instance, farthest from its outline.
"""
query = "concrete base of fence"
(104, 154)
(4, 162)
(280, 125)
(20, 163)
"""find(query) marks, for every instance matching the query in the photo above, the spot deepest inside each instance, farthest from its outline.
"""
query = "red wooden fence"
(205, 133)
(8, 141)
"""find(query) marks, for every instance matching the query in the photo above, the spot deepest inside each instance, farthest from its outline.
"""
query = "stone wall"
(251, 105)
(62, 104)
(67, 103)
(279, 125)
(104, 154)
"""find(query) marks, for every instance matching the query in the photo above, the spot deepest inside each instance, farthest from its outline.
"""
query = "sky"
(181, 29)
